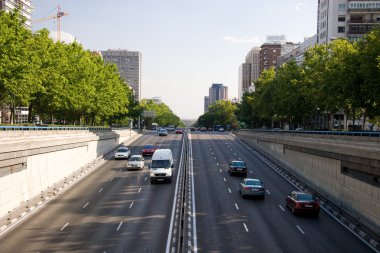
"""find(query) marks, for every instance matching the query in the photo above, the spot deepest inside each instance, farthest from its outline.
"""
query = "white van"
(161, 168)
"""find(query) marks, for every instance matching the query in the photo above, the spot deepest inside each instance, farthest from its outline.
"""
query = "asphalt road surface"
(116, 210)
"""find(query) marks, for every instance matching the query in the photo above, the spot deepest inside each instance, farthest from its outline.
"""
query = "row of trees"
(63, 82)
(220, 113)
(163, 115)
(338, 77)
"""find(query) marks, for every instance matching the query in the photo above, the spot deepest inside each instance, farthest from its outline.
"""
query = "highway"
(228, 223)
(112, 210)
(116, 210)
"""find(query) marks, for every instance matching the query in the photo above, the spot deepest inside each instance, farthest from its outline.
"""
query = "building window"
(341, 29)
(342, 7)
(341, 19)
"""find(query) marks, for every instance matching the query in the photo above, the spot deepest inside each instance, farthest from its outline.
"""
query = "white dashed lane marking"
(245, 226)
(299, 228)
(237, 208)
(131, 205)
(101, 189)
(118, 227)
(86, 205)
(281, 208)
(229, 190)
(64, 226)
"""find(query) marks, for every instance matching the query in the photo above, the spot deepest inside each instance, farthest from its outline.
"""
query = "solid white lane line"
(224, 179)
(229, 190)
(131, 205)
(237, 208)
(283, 209)
(245, 226)
(118, 227)
(139, 190)
(101, 189)
(145, 178)
(300, 229)
(268, 192)
(86, 205)
(65, 226)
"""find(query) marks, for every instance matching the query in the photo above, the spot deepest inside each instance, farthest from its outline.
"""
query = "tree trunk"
(363, 124)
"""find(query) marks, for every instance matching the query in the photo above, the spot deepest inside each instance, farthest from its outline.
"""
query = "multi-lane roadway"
(116, 210)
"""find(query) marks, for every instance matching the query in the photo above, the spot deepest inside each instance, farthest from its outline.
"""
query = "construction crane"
(57, 16)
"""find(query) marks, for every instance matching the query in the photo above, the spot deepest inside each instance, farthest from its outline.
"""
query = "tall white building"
(129, 65)
(351, 19)
(25, 7)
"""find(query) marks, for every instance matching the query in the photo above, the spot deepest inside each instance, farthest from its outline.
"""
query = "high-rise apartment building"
(268, 55)
(249, 72)
(217, 92)
(244, 79)
(25, 8)
(206, 103)
(351, 19)
(129, 65)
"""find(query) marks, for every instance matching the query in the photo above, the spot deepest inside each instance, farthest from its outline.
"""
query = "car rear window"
(135, 158)
(148, 147)
(239, 164)
(250, 182)
(305, 197)
(122, 150)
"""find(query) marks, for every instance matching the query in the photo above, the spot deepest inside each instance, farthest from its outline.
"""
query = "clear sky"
(186, 45)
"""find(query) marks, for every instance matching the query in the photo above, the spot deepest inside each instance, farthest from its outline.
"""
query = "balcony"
(360, 29)
(363, 21)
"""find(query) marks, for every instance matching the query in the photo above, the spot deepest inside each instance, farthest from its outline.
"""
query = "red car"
(148, 149)
(302, 202)
(179, 131)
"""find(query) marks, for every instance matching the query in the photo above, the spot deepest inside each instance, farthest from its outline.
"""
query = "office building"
(217, 92)
(25, 7)
(129, 65)
(297, 53)
(350, 19)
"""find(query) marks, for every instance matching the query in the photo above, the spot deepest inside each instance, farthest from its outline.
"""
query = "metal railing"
(314, 132)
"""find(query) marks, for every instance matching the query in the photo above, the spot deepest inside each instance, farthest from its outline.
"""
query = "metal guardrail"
(341, 133)
(50, 128)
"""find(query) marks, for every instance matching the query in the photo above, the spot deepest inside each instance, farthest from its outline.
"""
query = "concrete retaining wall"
(322, 164)
(31, 164)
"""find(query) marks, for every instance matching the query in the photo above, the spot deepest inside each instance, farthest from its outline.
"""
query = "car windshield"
(135, 158)
(305, 197)
(148, 147)
(160, 164)
(122, 150)
(252, 182)
(238, 164)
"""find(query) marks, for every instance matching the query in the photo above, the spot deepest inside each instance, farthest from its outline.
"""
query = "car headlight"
(152, 174)
(169, 174)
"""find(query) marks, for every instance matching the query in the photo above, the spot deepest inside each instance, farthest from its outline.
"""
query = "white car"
(136, 162)
(122, 153)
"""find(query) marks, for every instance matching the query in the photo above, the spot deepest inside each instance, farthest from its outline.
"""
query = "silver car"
(122, 153)
(136, 162)
(252, 187)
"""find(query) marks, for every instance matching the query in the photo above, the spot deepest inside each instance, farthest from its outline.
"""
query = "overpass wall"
(346, 171)
(31, 163)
